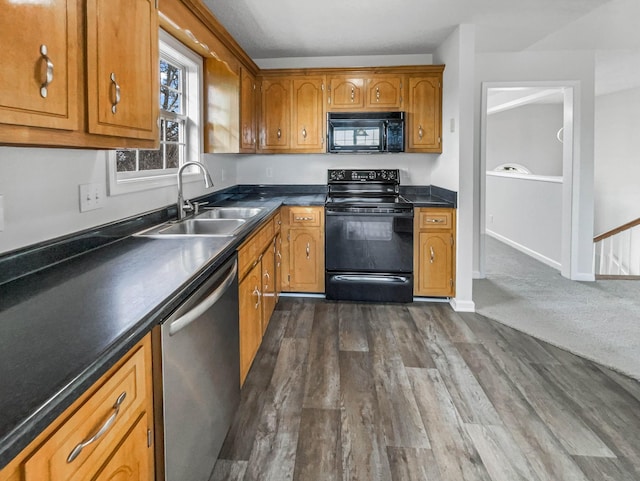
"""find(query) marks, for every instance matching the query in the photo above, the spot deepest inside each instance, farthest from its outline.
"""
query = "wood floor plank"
(300, 319)
(322, 385)
(452, 448)
(606, 469)
(319, 452)
(364, 454)
(274, 447)
(413, 464)
(239, 439)
(500, 454)
(411, 346)
(468, 396)
(228, 470)
(632, 386)
(549, 402)
(546, 455)
(353, 332)
(401, 419)
(452, 324)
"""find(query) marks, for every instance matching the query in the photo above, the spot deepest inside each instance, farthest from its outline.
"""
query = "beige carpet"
(596, 320)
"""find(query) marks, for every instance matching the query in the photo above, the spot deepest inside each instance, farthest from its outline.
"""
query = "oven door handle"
(373, 278)
(332, 212)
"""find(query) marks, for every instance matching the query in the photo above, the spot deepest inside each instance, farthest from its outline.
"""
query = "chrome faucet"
(184, 205)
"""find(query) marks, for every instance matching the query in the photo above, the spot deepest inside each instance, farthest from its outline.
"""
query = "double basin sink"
(212, 222)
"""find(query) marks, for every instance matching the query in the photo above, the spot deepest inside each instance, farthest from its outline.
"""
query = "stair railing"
(617, 252)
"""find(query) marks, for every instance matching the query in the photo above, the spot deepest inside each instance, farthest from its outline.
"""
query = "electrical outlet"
(491, 219)
(269, 171)
(221, 175)
(1, 213)
(92, 197)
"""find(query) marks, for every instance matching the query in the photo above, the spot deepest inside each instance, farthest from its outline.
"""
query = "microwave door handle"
(385, 126)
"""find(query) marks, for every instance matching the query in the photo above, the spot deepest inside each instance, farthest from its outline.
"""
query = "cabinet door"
(384, 93)
(132, 460)
(221, 108)
(307, 114)
(247, 112)
(435, 270)
(306, 260)
(39, 58)
(424, 119)
(275, 114)
(250, 298)
(122, 68)
(268, 286)
(345, 93)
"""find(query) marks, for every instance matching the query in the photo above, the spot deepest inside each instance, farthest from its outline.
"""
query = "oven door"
(368, 241)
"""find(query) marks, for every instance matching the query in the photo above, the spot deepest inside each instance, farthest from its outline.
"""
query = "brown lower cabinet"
(434, 252)
(121, 402)
(303, 249)
(257, 288)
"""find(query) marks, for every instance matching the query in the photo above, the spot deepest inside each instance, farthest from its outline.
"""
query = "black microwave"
(349, 132)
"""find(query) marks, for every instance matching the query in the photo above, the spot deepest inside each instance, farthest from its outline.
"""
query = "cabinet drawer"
(251, 250)
(106, 416)
(305, 216)
(435, 219)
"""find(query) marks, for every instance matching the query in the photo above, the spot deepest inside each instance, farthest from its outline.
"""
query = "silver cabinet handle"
(377, 94)
(279, 255)
(257, 293)
(304, 218)
(266, 274)
(308, 250)
(420, 132)
(279, 134)
(117, 87)
(353, 94)
(433, 255)
(210, 300)
(49, 74)
(436, 221)
(105, 427)
(304, 132)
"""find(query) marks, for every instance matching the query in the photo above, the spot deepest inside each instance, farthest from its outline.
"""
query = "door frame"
(570, 161)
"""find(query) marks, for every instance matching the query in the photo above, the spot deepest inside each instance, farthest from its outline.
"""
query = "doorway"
(548, 186)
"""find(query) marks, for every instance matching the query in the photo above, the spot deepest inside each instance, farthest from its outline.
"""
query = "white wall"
(415, 169)
(523, 212)
(617, 159)
(454, 167)
(548, 66)
(41, 197)
(526, 135)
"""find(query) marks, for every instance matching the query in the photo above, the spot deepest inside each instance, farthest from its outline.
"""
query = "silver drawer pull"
(105, 427)
(49, 74)
(436, 221)
(114, 106)
(304, 218)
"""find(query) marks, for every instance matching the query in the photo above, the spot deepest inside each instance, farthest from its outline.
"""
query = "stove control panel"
(377, 175)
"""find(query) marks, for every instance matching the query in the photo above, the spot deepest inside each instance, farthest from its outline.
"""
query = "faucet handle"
(197, 205)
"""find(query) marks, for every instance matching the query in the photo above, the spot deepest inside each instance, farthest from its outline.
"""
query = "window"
(180, 120)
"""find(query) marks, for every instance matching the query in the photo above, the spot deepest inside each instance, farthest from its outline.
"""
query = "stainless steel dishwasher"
(201, 376)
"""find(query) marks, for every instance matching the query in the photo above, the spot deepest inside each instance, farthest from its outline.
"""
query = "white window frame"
(127, 182)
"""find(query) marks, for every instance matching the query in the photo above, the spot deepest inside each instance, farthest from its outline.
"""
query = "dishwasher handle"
(186, 319)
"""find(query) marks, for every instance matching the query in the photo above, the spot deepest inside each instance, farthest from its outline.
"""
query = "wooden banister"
(617, 230)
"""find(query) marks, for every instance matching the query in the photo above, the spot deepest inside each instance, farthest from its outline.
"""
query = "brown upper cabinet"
(40, 61)
(424, 113)
(248, 122)
(291, 114)
(86, 87)
(122, 68)
(353, 92)
(345, 93)
(384, 92)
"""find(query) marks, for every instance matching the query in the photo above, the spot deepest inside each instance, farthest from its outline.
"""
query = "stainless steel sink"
(196, 227)
(229, 213)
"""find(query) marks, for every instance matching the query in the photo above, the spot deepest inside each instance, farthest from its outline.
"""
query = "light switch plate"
(1, 213)
(91, 197)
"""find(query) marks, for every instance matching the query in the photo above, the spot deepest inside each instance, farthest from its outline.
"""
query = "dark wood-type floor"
(366, 392)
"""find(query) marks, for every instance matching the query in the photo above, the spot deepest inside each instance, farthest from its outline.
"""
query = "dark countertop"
(63, 326)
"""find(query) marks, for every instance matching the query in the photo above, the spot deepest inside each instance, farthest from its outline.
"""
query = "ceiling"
(301, 28)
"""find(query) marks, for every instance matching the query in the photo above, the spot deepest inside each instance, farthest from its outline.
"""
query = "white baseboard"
(530, 252)
(583, 276)
(478, 275)
(430, 299)
(459, 305)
